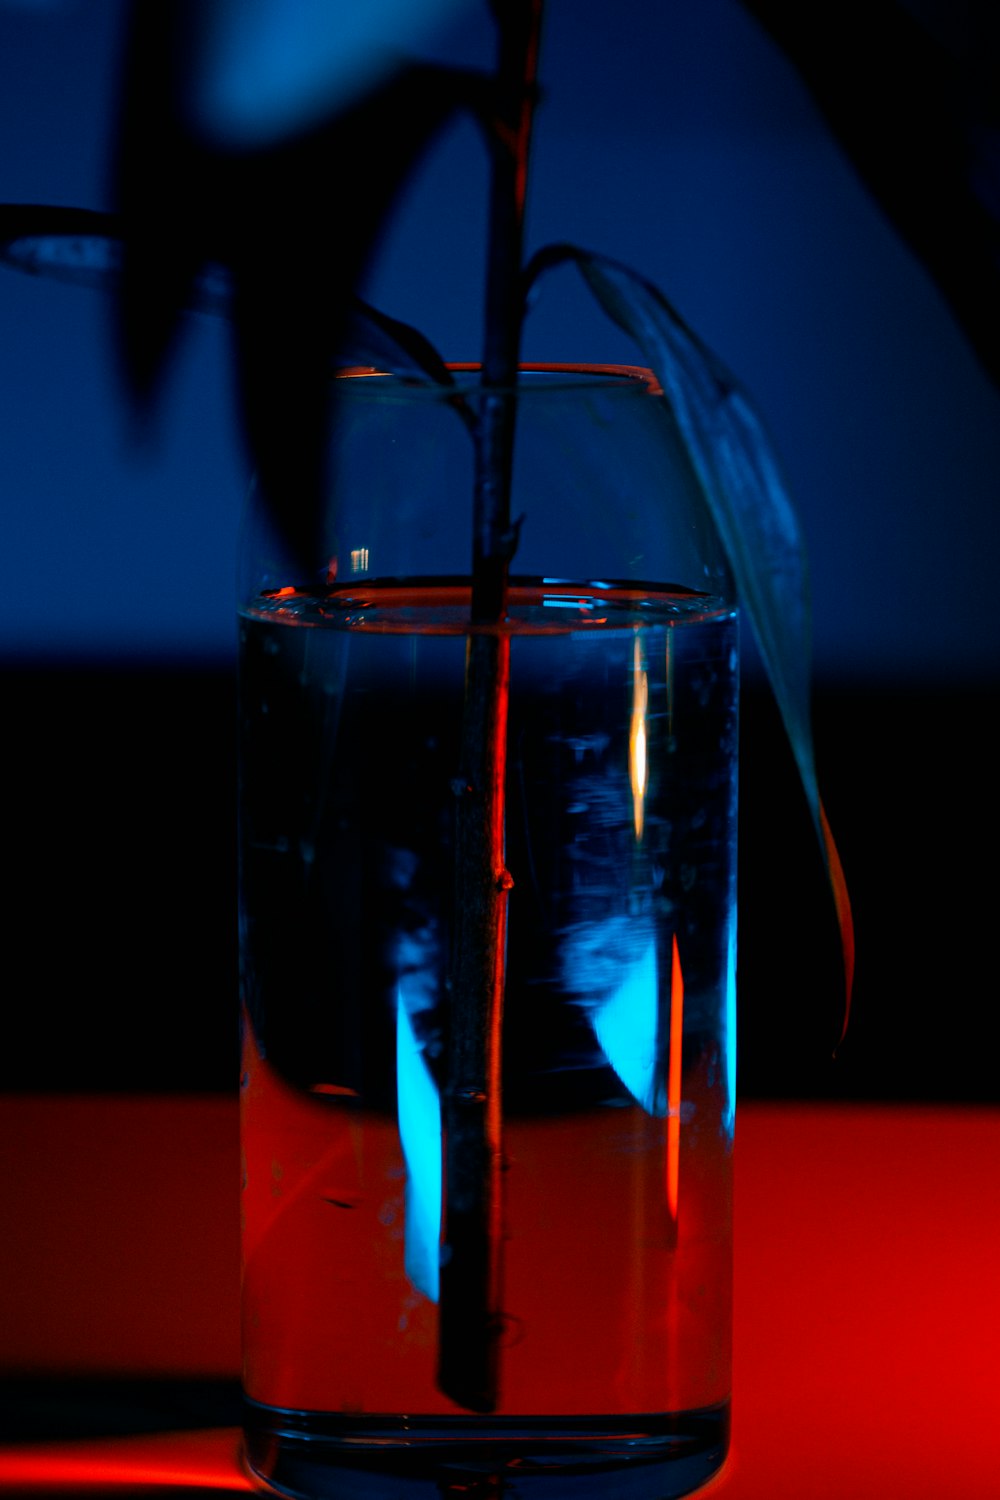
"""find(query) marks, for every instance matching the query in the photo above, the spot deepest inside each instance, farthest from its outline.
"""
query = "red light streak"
(842, 903)
(674, 1083)
(172, 1460)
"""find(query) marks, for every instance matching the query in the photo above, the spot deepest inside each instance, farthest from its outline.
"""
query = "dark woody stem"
(471, 1316)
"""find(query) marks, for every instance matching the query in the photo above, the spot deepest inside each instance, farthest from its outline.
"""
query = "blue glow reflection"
(419, 1112)
(626, 1028)
(729, 1117)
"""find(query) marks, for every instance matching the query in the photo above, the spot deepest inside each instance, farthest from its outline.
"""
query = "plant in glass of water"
(277, 236)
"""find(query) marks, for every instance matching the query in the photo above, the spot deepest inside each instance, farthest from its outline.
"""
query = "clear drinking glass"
(577, 1339)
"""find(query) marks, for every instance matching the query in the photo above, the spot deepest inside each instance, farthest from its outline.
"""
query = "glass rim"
(566, 377)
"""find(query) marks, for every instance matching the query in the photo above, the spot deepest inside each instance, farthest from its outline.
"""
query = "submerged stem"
(471, 1317)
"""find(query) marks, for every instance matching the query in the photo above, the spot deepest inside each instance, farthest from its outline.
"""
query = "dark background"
(676, 138)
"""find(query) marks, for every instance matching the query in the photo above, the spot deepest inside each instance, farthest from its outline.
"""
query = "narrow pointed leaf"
(77, 245)
(911, 94)
(374, 338)
(741, 477)
(84, 247)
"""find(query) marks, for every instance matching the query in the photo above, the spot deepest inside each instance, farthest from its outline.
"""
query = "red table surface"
(867, 1289)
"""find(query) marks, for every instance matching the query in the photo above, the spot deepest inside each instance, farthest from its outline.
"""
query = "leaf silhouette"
(84, 247)
(77, 245)
(294, 223)
(750, 505)
(915, 104)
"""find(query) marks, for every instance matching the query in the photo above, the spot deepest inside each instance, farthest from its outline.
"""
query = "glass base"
(333, 1457)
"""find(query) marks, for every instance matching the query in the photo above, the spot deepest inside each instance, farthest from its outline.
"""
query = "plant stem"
(471, 1317)
(471, 1288)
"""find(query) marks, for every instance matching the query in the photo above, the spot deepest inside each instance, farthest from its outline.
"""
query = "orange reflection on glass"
(637, 739)
(674, 1082)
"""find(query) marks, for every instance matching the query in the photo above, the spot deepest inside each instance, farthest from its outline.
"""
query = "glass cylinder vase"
(487, 928)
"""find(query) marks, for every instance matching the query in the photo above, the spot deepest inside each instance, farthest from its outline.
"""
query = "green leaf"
(741, 477)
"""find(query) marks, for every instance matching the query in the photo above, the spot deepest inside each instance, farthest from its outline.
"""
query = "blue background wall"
(672, 136)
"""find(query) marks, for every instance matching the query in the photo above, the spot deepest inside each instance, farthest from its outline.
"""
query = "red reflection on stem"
(674, 1083)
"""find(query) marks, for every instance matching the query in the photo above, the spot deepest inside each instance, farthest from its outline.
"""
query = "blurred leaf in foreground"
(295, 222)
(912, 94)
